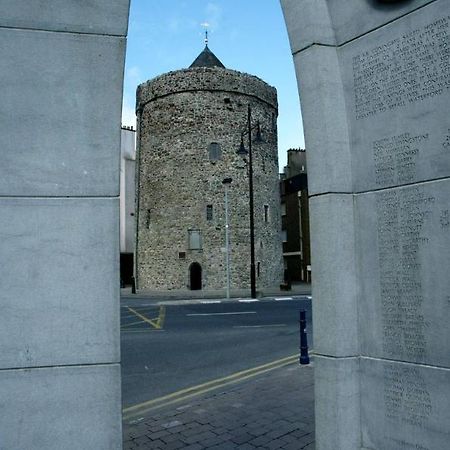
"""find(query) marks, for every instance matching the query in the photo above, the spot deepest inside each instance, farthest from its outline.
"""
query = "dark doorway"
(195, 274)
(126, 268)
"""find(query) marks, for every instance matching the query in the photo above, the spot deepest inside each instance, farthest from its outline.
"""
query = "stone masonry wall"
(180, 114)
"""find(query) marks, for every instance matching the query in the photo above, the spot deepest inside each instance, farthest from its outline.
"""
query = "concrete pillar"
(61, 88)
(373, 81)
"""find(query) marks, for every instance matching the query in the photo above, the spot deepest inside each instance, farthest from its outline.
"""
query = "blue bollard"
(304, 358)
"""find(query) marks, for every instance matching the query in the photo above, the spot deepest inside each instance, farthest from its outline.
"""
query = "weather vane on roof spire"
(205, 25)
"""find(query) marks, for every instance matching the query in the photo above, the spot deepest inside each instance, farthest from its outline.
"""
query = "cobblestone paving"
(271, 411)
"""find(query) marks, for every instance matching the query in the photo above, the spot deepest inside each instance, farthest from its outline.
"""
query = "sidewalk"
(296, 289)
(274, 410)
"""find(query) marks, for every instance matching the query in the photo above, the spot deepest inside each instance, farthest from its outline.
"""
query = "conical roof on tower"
(207, 59)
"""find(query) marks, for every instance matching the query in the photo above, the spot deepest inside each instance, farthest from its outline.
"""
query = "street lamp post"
(243, 152)
(226, 183)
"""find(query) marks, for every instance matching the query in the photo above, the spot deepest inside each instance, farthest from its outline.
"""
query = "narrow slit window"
(148, 219)
(209, 212)
(266, 213)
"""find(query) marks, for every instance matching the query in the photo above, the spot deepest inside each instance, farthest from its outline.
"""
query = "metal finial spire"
(205, 25)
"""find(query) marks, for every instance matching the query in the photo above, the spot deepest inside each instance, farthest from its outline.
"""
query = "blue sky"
(246, 35)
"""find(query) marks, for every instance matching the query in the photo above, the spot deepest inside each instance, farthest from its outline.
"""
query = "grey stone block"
(68, 408)
(397, 90)
(404, 406)
(308, 22)
(98, 17)
(385, 88)
(59, 282)
(337, 407)
(334, 284)
(404, 247)
(335, 22)
(60, 113)
(325, 121)
(354, 18)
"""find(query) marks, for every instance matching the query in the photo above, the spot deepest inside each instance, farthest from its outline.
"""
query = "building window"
(195, 240)
(148, 219)
(209, 212)
(258, 269)
(283, 209)
(214, 151)
(182, 255)
(284, 235)
(266, 213)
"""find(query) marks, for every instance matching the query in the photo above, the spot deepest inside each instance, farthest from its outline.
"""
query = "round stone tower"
(190, 125)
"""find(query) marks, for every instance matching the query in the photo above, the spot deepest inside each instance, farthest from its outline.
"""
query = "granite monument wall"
(374, 82)
(61, 82)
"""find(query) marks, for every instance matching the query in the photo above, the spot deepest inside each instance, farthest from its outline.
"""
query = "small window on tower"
(148, 219)
(209, 212)
(266, 213)
(195, 240)
(215, 152)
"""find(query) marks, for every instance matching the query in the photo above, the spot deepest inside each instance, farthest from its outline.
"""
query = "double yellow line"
(140, 409)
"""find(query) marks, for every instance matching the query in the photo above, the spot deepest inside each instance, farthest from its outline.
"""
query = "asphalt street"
(168, 346)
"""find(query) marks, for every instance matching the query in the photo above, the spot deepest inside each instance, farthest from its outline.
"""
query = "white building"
(127, 196)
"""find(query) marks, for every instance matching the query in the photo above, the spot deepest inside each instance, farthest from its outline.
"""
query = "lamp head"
(242, 150)
(258, 137)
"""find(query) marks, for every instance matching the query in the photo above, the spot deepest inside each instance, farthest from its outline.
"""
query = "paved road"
(200, 342)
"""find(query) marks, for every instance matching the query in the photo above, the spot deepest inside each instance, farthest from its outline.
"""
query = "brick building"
(295, 218)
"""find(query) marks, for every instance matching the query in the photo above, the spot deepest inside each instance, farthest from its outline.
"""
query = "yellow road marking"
(147, 330)
(129, 324)
(193, 391)
(128, 315)
(155, 323)
(143, 308)
(162, 316)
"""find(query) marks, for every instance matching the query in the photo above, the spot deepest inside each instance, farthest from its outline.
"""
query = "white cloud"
(128, 114)
(174, 24)
(178, 23)
(213, 15)
(134, 75)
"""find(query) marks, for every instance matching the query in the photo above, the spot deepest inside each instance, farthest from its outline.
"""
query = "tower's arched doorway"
(195, 276)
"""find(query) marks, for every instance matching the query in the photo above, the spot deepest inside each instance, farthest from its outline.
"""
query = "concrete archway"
(59, 109)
